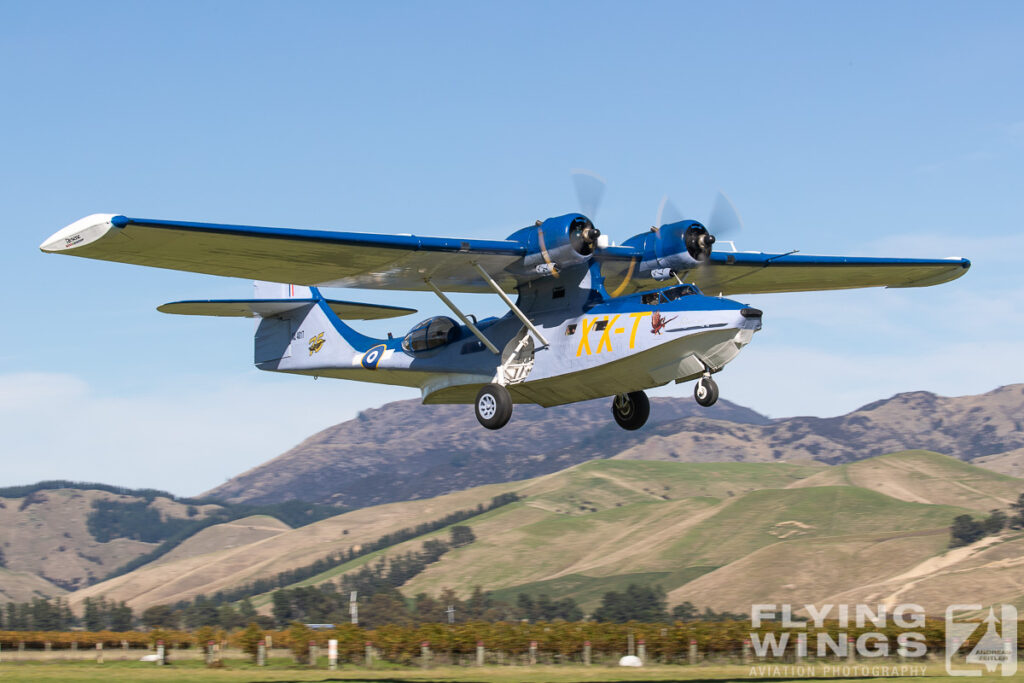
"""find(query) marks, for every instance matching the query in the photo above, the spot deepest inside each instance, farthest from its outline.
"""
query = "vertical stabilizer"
(308, 336)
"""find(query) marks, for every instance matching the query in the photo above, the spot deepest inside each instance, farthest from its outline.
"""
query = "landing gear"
(631, 410)
(493, 406)
(706, 391)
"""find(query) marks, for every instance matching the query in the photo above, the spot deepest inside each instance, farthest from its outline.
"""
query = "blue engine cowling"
(557, 243)
(675, 247)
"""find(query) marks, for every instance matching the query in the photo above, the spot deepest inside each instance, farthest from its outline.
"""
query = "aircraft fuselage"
(598, 345)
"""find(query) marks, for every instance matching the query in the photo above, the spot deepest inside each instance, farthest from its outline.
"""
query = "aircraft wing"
(731, 273)
(404, 262)
(302, 257)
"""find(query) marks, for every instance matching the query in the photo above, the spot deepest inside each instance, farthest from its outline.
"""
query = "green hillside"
(600, 497)
(717, 534)
(769, 516)
(924, 477)
(604, 524)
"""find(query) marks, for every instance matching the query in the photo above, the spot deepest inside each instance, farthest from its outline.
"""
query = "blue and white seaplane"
(590, 319)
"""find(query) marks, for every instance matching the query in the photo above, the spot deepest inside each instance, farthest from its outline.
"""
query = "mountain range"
(405, 450)
(739, 505)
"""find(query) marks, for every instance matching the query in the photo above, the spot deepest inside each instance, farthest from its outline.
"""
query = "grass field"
(279, 671)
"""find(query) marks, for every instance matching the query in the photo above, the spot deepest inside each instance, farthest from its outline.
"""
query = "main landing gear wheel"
(493, 406)
(706, 392)
(631, 410)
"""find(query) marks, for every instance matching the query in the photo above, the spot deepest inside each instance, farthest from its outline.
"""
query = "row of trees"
(375, 585)
(99, 614)
(204, 613)
(966, 530)
(555, 641)
(379, 604)
(38, 615)
(648, 604)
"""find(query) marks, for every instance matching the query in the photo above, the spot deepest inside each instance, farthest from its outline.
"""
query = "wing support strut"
(511, 304)
(465, 321)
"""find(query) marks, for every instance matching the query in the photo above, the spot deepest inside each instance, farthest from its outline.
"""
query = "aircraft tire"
(493, 406)
(705, 392)
(632, 413)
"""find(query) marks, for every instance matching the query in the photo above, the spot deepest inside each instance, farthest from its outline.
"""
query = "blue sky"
(839, 128)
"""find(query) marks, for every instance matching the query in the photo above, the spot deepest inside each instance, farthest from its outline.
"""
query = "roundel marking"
(372, 356)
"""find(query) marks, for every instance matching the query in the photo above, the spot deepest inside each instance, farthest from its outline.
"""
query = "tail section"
(310, 335)
(299, 329)
(306, 337)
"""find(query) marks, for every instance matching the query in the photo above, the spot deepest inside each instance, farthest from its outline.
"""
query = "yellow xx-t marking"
(604, 343)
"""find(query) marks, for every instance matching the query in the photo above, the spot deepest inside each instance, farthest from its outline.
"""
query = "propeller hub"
(583, 235)
(699, 242)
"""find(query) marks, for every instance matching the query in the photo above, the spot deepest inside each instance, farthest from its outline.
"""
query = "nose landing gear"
(631, 410)
(706, 391)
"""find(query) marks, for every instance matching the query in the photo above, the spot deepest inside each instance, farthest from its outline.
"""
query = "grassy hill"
(924, 477)
(713, 521)
(238, 532)
(721, 535)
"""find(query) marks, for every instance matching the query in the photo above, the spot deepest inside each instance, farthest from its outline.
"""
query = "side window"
(650, 299)
(570, 329)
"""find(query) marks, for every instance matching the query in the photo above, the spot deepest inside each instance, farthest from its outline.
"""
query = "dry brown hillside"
(405, 450)
(965, 427)
(210, 563)
(23, 586)
(45, 534)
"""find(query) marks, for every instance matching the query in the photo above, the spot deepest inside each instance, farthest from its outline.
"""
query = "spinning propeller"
(724, 221)
(589, 192)
(674, 245)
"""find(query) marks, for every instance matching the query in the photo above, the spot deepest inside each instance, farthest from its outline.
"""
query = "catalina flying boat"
(589, 319)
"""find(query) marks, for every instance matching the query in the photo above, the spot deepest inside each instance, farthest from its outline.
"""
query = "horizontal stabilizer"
(265, 308)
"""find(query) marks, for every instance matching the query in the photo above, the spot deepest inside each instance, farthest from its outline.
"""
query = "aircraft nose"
(750, 318)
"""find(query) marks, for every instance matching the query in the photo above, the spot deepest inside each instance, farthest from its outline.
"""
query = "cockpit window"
(430, 334)
(651, 299)
(677, 292)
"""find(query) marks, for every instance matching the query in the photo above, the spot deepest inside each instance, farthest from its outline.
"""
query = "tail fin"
(310, 334)
(299, 329)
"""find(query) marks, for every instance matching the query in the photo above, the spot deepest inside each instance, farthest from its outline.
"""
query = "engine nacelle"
(674, 247)
(557, 243)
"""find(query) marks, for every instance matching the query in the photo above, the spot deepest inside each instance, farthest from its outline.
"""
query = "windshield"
(430, 334)
(677, 292)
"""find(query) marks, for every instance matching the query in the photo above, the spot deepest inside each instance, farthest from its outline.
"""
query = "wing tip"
(83, 231)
